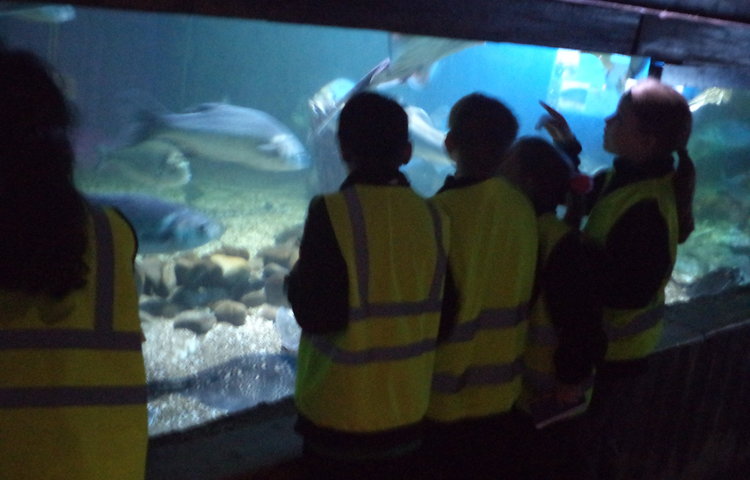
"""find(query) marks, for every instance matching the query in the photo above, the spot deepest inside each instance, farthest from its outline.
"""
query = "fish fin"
(268, 147)
(396, 42)
(364, 83)
(139, 113)
(421, 113)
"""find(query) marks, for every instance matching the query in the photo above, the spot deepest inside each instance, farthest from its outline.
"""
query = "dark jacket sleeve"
(449, 311)
(318, 285)
(637, 257)
(569, 282)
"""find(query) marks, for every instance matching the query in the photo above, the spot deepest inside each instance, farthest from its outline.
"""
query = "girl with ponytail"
(639, 210)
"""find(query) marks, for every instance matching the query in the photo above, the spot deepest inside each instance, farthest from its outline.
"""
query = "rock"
(152, 305)
(268, 312)
(149, 270)
(273, 269)
(292, 234)
(239, 290)
(278, 254)
(198, 297)
(234, 251)
(159, 307)
(254, 298)
(275, 289)
(171, 310)
(198, 321)
(168, 276)
(231, 312)
(191, 272)
(235, 270)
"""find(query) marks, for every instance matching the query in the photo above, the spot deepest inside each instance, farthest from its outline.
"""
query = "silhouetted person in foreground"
(72, 391)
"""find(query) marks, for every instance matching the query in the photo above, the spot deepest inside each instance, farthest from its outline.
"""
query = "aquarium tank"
(212, 134)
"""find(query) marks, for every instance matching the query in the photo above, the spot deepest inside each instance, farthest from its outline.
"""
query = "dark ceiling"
(704, 39)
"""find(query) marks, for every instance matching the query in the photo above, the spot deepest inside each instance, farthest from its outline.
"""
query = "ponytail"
(684, 187)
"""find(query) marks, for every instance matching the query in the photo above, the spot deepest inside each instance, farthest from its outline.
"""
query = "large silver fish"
(152, 163)
(427, 140)
(227, 133)
(38, 12)
(413, 57)
(161, 226)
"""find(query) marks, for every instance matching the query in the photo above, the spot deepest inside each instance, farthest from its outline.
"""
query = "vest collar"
(393, 179)
(626, 172)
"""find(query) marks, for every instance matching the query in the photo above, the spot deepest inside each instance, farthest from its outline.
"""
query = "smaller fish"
(161, 226)
(152, 163)
(413, 58)
(710, 96)
(38, 12)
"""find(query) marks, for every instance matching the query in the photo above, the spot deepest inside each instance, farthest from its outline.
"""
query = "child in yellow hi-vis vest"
(639, 210)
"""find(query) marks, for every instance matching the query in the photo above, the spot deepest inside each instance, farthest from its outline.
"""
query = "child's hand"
(555, 124)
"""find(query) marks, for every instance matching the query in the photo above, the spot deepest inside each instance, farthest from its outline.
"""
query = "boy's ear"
(449, 142)
(406, 153)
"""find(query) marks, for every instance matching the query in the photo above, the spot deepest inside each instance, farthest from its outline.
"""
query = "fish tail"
(140, 114)
(145, 123)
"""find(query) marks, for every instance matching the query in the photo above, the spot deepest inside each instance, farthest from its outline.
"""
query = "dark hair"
(546, 168)
(42, 215)
(663, 112)
(373, 131)
(483, 128)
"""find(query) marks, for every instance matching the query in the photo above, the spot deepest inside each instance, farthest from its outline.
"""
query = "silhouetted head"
(42, 215)
(542, 171)
(373, 134)
(481, 129)
(34, 143)
(652, 119)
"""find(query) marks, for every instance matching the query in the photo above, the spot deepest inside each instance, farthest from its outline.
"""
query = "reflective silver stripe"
(361, 253)
(431, 305)
(71, 396)
(488, 320)
(395, 309)
(486, 375)
(639, 324)
(542, 335)
(103, 337)
(58, 338)
(377, 354)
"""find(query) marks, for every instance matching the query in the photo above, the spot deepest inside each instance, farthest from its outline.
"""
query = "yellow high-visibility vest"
(634, 333)
(493, 261)
(375, 374)
(73, 387)
(539, 357)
